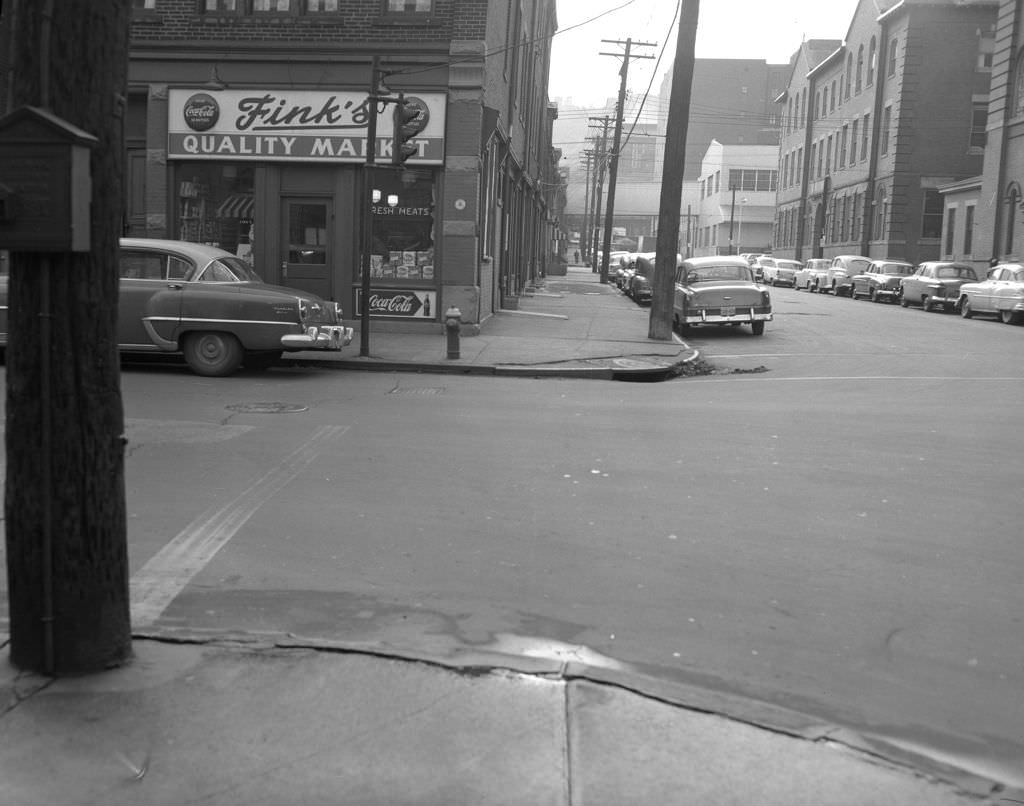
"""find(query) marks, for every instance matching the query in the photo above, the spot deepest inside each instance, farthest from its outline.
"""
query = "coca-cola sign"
(201, 112)
(403, 303)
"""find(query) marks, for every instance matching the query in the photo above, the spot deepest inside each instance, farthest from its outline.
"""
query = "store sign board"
(292, 126)
(404, 303)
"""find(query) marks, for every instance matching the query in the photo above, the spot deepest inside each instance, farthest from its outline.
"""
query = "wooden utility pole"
(613, 163)
(663, 286)
(601, 164)
(67, 558)
(588, 161)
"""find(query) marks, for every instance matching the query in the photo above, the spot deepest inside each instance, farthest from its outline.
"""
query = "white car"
(777, 271)
(1000, 294)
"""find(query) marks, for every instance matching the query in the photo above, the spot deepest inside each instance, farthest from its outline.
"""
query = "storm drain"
(267, 408)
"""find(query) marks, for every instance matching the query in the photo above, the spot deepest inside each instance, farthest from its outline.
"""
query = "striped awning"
(237, 205)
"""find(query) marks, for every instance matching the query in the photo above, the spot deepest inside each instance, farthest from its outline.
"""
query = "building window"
(968, 230)
(855, 214)
(821, 159)
(144, 5)
(828, 157)
(1018, 87)
(832, 98)
(271, 6)
(986, 47)
(408, 6)
(865, 137)
(893, 45)
(322, 6)
(950, 229)
(224, 6)
(884, 133)
(931, 218)
(842, 150)
(979, 122)
(1010, 213)
(872, 59)
(860, 70)
(849, 74)
(799, 164)
(881, 204)
(853, 143)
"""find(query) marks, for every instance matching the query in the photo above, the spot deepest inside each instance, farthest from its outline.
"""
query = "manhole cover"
(267, 408)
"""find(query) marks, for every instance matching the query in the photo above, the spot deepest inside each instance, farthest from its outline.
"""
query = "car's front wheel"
(965, 308)
(1008, 317)
(213, 354)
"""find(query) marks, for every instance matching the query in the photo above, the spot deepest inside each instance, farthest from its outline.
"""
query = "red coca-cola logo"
(201, 112)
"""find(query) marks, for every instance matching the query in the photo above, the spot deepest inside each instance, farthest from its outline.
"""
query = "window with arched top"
(849, 74)
(872, 60)
(880, 205)
(860, 69)
(1017, 107)
(1013, 200)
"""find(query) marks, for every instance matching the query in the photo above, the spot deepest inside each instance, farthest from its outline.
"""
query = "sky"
(726, 29)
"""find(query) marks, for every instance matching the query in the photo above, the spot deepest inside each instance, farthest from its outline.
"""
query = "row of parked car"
(935, 284)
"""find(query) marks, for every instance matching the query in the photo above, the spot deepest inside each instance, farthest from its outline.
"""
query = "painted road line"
(161, 579)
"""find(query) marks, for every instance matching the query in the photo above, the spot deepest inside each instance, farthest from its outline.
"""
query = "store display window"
(215, 205)
(403, 226)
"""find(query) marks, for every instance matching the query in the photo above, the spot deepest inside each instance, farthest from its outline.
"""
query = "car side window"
(141, 266)
(177, 268)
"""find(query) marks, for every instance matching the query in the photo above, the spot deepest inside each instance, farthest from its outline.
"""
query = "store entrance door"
(307, 245)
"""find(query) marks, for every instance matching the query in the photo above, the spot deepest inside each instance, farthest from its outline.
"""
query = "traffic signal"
(407, 126)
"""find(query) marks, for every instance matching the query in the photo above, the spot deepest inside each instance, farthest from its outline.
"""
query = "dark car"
(881, 281)
(210, 306)
(638, 285)
(719, 290)
(936, 284)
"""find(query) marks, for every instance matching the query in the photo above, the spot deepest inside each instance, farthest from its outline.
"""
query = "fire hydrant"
(453, 327)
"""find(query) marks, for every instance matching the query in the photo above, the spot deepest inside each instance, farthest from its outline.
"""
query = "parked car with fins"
(719, 290)
(210, 306)
(881, 281)
(779, 271)
(811, 273)
(839, 277)
(936, 284)
(638, 286)
(1000, 294)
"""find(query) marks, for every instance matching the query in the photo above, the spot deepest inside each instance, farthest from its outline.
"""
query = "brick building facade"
(873, 130)
(247, 126)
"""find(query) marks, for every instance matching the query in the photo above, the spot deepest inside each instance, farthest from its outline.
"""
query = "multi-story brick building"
(995, 228)
(248, 121)
(886, 119)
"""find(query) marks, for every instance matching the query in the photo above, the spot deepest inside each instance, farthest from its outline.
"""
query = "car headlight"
(303, 309)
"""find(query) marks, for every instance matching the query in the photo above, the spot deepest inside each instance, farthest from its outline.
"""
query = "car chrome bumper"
(742, 315)
(319, 337)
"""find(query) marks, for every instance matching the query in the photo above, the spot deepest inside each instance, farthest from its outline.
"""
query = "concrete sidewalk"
(262, 723)
(571, 326)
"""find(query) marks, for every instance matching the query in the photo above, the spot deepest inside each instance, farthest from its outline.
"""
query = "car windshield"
(706, 273)
(896, 268)
(788, 264)
(226, 270)
(949, 272)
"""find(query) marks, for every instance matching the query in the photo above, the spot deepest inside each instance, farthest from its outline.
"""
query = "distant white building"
(736, 188)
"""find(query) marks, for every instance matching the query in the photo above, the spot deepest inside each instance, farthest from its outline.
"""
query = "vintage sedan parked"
(936, 284)
(881, 281)
(842, 269)
(638, 285)
(808, 276)
(719, 290)
(1001, 293)
(779, 271)
(210, 306)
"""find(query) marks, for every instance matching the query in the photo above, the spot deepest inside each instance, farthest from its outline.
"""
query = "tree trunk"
(67, 563)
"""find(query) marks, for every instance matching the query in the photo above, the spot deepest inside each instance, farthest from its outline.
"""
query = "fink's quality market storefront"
(275, 176)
